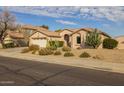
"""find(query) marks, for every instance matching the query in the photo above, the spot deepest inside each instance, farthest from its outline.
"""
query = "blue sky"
(107, 19)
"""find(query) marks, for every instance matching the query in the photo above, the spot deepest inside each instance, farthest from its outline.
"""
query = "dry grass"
(104, 54)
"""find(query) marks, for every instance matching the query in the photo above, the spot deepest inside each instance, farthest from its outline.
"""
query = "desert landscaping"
(107, 55)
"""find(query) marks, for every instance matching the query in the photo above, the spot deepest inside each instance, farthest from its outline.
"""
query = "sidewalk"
(70, 61)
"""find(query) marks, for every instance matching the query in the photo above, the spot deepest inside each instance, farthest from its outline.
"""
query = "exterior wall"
(63, 33)
(40, 42)
(82, 34)
(8, 40)
(54, 38)
(120, 42)
(83, 38)
(74, 40)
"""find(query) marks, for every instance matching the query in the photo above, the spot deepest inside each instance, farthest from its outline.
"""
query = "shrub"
(68, 54)
(109, 43)
(84, 55)
(93, 39)
(57, 53)
(52, 48)
(66, 48)
(51, 45)
(9, 45)
(25, 50)
(33, 47)
(45, 51)
(98, 57)
(34, 51)
(61, 43)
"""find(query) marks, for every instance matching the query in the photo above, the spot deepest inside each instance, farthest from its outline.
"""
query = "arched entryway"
(66, 38)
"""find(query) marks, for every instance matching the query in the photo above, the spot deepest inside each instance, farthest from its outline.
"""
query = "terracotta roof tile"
(42, 30)
(88, 30)
(16, 35)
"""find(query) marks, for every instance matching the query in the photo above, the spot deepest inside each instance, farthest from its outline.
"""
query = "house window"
(78, 39)
(122, 42)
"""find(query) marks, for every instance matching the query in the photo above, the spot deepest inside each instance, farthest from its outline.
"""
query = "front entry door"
(66, 38)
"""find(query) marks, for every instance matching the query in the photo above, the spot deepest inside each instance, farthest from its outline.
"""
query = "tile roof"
(15, 35)
(42, 30)
(88, 30)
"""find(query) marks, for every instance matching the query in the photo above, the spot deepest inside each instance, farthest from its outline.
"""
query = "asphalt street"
(18, 72)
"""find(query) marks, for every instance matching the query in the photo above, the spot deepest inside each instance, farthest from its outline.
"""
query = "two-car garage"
(39, 41)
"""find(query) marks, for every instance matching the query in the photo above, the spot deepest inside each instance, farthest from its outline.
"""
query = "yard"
(108, 55)
(106, 59)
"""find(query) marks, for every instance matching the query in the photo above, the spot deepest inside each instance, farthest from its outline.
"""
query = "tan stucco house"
(16, 38)
(72, 37)
(120, 40)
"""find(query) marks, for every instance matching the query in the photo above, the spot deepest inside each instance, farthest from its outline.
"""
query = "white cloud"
(66, 22)
(114, 14)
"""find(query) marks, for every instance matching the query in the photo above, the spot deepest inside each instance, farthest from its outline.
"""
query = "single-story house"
(76, 37)
(72, 37)
(120, 40)
(40, 35)
(16, 38)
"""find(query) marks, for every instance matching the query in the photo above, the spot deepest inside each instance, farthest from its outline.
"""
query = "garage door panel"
(40, 42)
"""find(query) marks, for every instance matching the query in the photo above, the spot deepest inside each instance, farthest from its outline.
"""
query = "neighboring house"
(120, 40)
(72, 37)
(16, 38)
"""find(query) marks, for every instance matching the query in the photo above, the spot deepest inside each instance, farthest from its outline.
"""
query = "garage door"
(40, 42)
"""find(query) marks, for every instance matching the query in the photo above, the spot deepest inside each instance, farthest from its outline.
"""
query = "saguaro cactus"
(93, 39)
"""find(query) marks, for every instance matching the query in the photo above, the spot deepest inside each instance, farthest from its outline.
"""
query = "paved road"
(23, 72)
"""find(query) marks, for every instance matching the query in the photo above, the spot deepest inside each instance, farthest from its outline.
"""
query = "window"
(122, 42)
(78, 39)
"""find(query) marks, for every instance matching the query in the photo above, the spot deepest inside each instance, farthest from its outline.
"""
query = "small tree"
(93, 39)
(6, 22)
(59, 30)
(45, 26)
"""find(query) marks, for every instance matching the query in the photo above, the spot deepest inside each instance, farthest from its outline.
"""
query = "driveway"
(22, 72)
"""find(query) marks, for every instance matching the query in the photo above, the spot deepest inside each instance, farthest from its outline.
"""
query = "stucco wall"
(74, 38)
(63, 33)
(36, 35)
(120, 42)
(54, 38)
(41, 42)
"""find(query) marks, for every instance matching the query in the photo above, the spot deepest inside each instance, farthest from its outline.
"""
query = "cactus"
(93, 39)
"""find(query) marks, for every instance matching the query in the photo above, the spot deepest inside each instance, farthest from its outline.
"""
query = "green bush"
(45, 51)
(66, 48)
(33, 47)
(61, 43)
(51, 45)
(25, 50)
(84, 55)
(68, 54)
(57, 52)
(110, 43)
(9, 45)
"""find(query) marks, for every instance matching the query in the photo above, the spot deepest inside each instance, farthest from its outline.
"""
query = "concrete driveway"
(22, 72)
